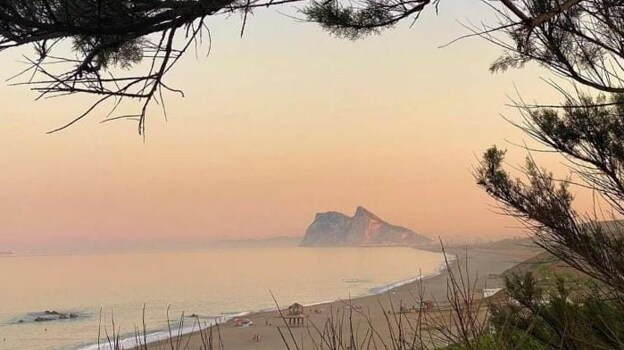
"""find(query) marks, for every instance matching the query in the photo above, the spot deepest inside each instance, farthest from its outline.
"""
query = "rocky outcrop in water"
(48, 316)
(334, 229)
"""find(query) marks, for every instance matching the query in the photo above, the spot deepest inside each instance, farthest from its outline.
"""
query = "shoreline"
(483, 261)
(160, 336)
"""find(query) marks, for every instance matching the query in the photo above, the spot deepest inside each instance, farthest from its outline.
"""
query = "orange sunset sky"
(275, 126)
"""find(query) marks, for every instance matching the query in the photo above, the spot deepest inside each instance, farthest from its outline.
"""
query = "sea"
(108, 293)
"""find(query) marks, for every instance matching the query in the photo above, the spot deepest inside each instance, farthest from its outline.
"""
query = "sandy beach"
(483, 262)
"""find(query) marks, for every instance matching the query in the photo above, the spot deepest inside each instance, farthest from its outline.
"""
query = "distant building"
(295, 309)
(489, 292)
(295, 317)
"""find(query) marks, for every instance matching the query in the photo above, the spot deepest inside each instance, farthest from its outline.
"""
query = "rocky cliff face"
(363, 229)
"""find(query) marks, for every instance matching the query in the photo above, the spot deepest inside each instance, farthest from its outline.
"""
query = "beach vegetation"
(583, 309)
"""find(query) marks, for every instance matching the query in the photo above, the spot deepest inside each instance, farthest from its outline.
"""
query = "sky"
(275, 126)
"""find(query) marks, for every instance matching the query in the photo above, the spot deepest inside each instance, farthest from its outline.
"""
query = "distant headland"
(363, 229)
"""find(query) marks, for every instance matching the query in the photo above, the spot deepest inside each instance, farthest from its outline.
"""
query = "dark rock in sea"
(334, 229)
(48, 315)
(47, 312)
(43, 319)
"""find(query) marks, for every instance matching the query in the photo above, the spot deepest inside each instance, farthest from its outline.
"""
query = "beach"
(481, 263)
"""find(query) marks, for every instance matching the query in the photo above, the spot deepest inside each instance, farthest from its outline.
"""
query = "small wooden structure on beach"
(296, 316)
(295, 309)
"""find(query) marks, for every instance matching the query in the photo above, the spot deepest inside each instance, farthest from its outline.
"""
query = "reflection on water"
(208, 283)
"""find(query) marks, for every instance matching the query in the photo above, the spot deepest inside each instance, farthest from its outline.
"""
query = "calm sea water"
(208, 282)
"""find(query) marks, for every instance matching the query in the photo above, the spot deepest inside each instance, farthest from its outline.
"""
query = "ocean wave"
(356, 280)
(156, 336)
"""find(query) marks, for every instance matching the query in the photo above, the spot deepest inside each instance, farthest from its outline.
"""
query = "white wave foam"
(156, 336)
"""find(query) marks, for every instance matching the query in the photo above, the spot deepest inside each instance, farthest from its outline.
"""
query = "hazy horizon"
(130, 244)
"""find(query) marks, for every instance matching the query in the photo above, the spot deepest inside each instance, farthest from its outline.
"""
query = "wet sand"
(366, 312)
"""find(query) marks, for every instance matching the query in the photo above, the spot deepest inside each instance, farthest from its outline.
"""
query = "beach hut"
(295, 316)
(295, 309)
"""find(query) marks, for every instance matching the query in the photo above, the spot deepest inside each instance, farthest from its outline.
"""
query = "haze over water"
(206, 282)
